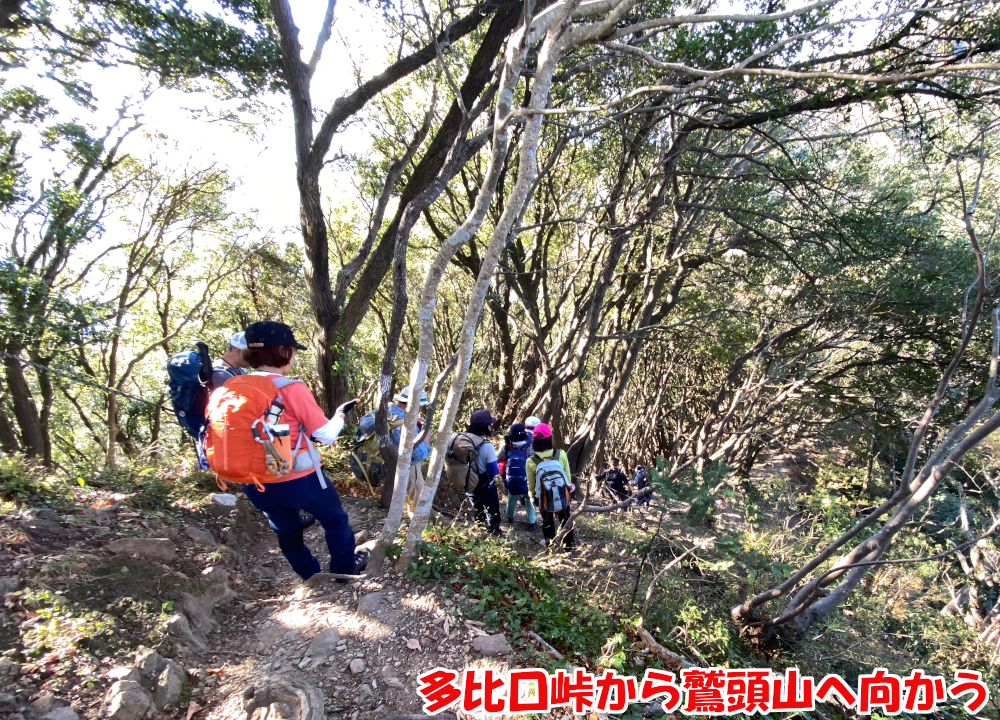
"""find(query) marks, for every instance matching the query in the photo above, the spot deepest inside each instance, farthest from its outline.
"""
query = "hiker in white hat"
(231, 363)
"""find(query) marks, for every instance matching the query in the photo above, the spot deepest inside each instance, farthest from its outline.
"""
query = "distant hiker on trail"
(530, 423)
(549, 475)
(259, 428)
(616, 481)
(366, 457)
(514, 458)
(471, 466)
(231, 363)
(641, 482)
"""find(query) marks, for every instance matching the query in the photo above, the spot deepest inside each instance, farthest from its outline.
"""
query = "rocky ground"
(195, 614)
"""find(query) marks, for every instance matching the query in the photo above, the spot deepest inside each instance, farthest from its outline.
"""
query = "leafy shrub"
(27, 484)
(507, 590)
(698, 487)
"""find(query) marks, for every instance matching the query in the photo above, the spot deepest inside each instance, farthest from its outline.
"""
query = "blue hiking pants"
(280, 502)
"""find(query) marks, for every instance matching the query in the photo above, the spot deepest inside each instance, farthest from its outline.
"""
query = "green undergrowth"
(97, 620)
(153, 487)
(768, 528)
(145, 486)
(25, 483)
(764, 530)
(510, 592)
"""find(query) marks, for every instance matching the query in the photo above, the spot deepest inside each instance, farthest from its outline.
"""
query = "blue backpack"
(516, 475)
(190, 376)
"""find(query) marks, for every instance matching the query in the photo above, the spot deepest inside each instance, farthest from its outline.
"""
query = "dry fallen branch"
(672, 659)
(631, 499)
(545, 646)
(652, 583)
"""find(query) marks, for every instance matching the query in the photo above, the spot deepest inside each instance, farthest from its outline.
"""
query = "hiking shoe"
(530, 527)
(306, 520)
(360, 564)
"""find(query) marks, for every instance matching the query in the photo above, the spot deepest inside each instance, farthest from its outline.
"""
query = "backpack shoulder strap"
(394, 422)
(314, 456)
(281, 382)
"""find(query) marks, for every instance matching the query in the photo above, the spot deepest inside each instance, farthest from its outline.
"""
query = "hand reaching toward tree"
(342, 411)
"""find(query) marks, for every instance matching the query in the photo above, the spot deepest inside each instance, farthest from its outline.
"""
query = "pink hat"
(542, 430)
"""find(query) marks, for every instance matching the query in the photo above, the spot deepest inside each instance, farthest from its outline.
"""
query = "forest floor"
(77, 606)
(87, 584)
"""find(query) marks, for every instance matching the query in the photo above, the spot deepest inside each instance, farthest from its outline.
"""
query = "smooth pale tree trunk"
(548, 58)
(513, 61)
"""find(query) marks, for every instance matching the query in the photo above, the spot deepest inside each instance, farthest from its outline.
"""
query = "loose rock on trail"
(229, 627)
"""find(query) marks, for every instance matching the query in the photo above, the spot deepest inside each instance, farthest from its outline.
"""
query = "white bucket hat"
(404, 396)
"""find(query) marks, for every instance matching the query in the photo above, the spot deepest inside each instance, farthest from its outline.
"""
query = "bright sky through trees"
(194, 125)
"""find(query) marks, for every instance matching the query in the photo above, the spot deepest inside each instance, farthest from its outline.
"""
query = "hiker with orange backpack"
(259, 434)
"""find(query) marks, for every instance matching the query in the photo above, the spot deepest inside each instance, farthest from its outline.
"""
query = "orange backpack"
(245, 441)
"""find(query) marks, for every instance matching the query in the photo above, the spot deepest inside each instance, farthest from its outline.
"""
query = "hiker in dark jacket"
(485, 500)
(616, 482)
(641, 482)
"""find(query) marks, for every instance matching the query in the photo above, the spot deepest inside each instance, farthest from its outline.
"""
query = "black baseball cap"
(268, 333)
(517, 433)
(482, 417)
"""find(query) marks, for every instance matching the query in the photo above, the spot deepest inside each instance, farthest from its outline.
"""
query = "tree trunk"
(514, 60)
(25, 412)
(8, 437)
(551, 51)
(110, 458)
(45, 389)
(400, 300)
(332, 385)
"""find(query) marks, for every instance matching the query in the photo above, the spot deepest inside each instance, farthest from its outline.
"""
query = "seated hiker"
(615, 481)
(259, 428)
(548, 473)
(471, 466)
(514, 459)
(231, 363)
